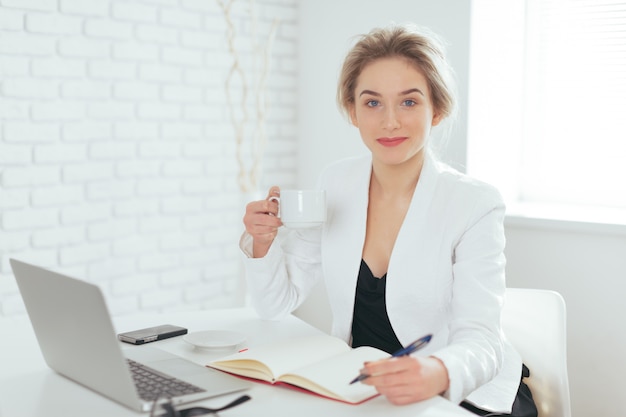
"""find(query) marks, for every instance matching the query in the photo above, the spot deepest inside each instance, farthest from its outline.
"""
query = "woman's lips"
(391, 141)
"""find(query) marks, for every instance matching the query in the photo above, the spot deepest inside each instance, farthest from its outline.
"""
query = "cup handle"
(277, 199)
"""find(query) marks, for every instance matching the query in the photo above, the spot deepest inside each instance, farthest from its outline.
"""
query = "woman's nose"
(390, 120)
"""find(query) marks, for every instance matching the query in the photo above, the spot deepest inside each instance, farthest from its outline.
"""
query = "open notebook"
(321, 364)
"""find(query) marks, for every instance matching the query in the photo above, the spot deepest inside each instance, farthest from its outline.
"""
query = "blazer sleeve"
(280, 281)
(474, 353)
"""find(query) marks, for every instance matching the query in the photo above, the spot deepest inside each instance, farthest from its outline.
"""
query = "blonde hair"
(419, 46)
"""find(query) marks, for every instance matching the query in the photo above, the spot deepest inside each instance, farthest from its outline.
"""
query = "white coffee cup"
(300, 209)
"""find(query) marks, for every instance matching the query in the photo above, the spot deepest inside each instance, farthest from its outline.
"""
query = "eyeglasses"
(171, 411)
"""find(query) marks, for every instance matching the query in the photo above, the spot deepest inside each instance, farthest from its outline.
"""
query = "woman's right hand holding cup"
(262, 222)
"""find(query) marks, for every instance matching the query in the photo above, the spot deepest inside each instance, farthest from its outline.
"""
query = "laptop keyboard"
(152, 384)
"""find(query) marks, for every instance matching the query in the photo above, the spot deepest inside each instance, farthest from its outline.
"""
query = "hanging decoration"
(246, 92)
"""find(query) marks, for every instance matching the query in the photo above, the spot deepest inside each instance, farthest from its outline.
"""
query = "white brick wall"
(117, 156)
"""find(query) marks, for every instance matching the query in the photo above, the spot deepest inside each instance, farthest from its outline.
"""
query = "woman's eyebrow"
(370, 92)
(402, 93)
(412, 90)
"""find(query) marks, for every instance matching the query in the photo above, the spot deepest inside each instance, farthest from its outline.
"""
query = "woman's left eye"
(408, 103)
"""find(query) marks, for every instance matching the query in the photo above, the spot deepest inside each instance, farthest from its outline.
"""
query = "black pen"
(418, 344)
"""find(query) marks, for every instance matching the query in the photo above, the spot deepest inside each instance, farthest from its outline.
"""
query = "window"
(547, 107)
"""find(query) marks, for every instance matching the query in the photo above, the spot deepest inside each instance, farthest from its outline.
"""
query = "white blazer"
(445, 275)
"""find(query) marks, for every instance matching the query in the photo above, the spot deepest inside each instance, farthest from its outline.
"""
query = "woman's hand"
(261, 222)
(407, 379)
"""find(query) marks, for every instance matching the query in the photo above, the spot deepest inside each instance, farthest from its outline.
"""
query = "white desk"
(28, 388)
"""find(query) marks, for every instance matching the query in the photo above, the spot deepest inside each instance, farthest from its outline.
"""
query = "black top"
(370, 323)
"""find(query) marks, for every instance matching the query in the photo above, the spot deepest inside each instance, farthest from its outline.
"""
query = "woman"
(410, 246)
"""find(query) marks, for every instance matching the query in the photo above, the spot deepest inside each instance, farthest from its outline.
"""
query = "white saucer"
(215, 339)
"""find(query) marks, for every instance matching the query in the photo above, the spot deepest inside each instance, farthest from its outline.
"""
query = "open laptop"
(77, 339)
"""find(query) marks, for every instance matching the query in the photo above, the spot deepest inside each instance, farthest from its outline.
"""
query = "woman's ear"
(436, 119)
(352, 113)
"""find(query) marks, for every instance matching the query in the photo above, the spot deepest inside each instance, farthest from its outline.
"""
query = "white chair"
(533, 321)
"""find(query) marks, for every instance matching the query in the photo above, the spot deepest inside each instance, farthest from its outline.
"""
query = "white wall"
(585, 264)
(117, 158)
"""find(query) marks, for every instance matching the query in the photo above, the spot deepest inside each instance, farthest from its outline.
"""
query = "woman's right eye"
(372, 103)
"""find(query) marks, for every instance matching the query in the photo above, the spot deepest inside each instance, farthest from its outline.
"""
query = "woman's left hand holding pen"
(407, 379)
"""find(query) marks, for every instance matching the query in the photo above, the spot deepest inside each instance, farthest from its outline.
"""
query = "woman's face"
(393, 110)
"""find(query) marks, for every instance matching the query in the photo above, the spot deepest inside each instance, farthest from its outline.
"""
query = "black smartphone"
(151, 334)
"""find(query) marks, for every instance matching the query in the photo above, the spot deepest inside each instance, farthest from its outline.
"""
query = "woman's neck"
(396, 180)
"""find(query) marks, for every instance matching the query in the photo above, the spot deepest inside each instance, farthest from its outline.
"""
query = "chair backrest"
(533, 320)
